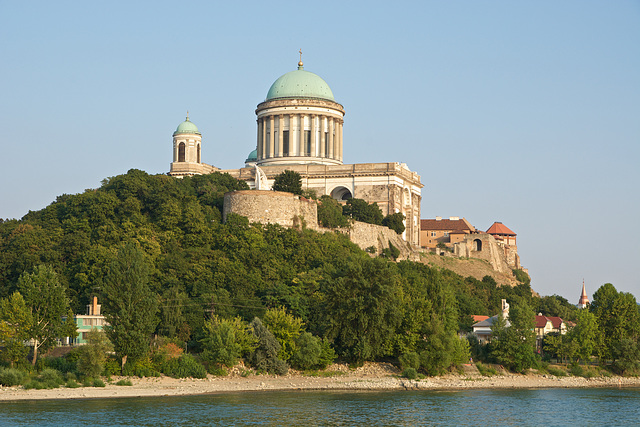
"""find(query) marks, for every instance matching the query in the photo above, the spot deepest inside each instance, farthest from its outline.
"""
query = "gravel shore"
(371, 376)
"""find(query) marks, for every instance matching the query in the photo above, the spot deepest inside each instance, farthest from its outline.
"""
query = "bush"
(124, 382)
(184, 367)
(410, 360)
(64, 364)
(92, 357)
(225, 341)
(486, 371)
(362, 211)
(98, 383)
(289, 181)
(11, 376)
(395, 222)
(410, 373)
(576, 370)
(330, 213)
(556, 372)
(140, 368)
(112, 366)
(51, 378)
(72, 384)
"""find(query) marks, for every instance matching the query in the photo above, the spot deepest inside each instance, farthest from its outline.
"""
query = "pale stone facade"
(484, 246)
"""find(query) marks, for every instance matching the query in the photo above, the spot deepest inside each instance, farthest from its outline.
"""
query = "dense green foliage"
(289, 181)
(155, 253)
(395, 222)
(361, 210)
(330, 213)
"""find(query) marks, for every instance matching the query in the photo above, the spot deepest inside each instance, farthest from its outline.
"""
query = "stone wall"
(484, 246)
(367, 235)
(271, 207)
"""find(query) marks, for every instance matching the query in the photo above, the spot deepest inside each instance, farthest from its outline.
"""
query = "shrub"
(51, 378)
(361, 210)
(124, 382)
(12, 376)
(98, 383)
(486, 371)
(330, 213)
(289, 181)
(410, 373)
(184, 367)
(410, 360)
(112, 366)
(286, 328)
(64, 364)
(395, 222)
(557, 372)
(140, 368)
(72, 384)
(92, 357)
(576, 370)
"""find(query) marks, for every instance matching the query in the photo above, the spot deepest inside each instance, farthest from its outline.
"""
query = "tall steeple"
(584, 300)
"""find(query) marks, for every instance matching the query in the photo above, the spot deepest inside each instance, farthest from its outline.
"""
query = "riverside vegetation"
(185, 294)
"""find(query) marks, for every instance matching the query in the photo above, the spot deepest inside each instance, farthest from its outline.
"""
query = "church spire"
(584, 300)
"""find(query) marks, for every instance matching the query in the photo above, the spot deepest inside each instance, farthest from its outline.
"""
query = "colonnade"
(308, 135)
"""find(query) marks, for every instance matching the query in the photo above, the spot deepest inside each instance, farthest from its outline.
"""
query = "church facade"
(299, 128)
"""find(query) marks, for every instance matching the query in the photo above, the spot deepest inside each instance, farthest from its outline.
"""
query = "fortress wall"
(366, 235)
(271, 207)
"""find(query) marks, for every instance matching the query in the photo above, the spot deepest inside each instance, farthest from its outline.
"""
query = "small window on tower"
(326, 144)
(198, 153)
(181, 152)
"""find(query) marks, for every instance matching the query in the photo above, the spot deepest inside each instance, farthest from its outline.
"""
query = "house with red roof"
(448, 231)
(501, 232)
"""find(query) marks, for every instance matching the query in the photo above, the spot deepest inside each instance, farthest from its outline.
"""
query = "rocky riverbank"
(371, 376)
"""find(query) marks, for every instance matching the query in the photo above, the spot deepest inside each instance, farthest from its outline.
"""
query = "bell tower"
(186, 150)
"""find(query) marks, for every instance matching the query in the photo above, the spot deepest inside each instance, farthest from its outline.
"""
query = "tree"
(362, 211)
(15, 324)
(91, 357)
(286, 328)
(225, 341)
(513, 345)
(46, 298)
(395, 222)
(288, 181)
(265, 357)
(130, 307)
(330, 213)
(618, 320)
(585, 334)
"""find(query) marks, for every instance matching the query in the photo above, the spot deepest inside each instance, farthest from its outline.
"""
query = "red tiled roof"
(500, 228)
(477, 318)
(556, 322)
(541, 321)
(445, 224)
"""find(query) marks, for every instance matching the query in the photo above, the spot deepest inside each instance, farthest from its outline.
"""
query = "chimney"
(454, 218)
(95, 307)
(438, 218)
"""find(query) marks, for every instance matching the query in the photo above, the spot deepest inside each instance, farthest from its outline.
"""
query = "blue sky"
(522, 112)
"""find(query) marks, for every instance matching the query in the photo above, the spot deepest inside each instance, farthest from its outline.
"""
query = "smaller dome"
(253, 156)
(187, 127)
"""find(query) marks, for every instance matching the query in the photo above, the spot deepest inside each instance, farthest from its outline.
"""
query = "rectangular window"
(285, 142)
(307, 143)
(446, 234)
(326, 144)
(433, 234)
(268, 146)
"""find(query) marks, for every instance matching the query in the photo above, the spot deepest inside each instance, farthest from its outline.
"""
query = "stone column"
(323, 142)
(272, 143)
(259, 142)
(339, 134)
(263, 142)
(312, 125)
(280, 127)
(331, 138)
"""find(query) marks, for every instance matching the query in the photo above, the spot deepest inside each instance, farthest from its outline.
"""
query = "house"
(86, 322)
(446, 231)
(482, 329)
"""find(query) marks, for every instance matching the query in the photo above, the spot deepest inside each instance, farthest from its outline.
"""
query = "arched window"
(477, 245)
(181, 152)
(198, 153)
(341, 193)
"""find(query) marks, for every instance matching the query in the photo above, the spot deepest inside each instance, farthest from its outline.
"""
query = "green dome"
(300, 84)
(253, 157)
(187, 127)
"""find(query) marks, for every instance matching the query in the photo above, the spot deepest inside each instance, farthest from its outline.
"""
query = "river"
(537, 407)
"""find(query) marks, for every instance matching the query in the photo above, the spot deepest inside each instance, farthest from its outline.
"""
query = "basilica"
(299, 128)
